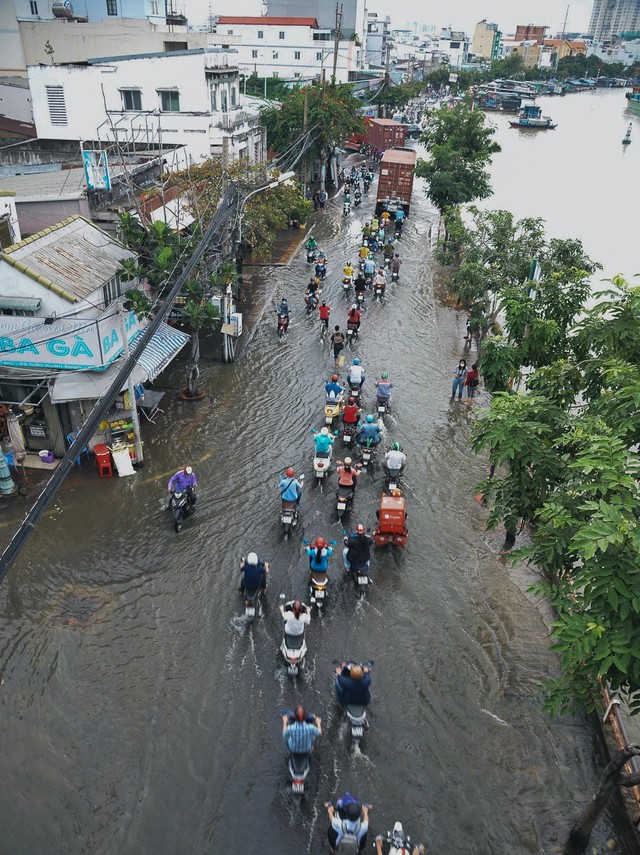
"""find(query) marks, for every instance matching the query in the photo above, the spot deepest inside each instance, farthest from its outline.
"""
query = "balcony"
(220, 60)
(234, 119)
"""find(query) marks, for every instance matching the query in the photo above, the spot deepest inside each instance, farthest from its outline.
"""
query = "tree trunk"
(193, 372)
(611, 777)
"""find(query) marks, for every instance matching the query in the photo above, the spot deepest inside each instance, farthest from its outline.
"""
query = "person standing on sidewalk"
(459, 376)
(316, 200)
(472, 381)
(322, 198)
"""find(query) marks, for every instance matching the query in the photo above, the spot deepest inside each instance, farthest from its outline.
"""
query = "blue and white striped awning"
(165, 344)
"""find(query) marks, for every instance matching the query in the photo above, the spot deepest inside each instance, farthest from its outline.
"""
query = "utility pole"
(305, 125)
(132, 392)
(336, 41)
(387, 79)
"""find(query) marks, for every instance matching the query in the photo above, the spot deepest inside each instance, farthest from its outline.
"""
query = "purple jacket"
(180, 481)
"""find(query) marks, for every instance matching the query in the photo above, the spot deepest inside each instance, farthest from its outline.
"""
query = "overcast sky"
(459, 14)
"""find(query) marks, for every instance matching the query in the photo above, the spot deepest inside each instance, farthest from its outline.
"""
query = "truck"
(385, 134)
(396, 181)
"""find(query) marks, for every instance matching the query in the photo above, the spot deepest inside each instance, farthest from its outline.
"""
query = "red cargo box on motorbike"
(391, 522)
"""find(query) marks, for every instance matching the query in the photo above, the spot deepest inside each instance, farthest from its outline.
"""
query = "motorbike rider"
(389, 250)
(395, 264)
(289, 486)
(337, 343)
(333, 390)
(380, 280)
(366, 231)
(369, 432)
(355, 374)
(348, 817)
(381, 235)
(296, 616)
(351, 413)
(348, 271)
(364, 251)
(347, 474)
(300, 734)
(311, 244)
(395, 458)
(254, 573)
(282, 309)
(353, 317)
(324, 312)
(319, 554)
(184, 479)
(385, 218)
(313, 286)
(357, 550)
(375, 225)
(399, 221)
(360, 285)
(369, 266)
(323, 441)
(352, 685)
(384, 387)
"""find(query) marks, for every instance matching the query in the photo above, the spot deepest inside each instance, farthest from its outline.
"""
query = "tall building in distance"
(530, 33)
(613, 17)
(486, 40)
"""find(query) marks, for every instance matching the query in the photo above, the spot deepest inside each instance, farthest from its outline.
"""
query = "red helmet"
(334, 377)
(352, 400)
(320, 542)
(300, 714)
(297, 609)
(360, 528)
(290, 473)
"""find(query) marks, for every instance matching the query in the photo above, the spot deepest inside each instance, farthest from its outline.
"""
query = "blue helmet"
(356, 361)
(370, 419)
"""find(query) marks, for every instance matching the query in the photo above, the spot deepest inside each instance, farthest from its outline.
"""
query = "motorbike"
(366, 184)
(332, 410)
(180, 507)
(395, 275)
(369, 452)
(358, 572)
(382, 405)
(360, 299)
(283, 325)
(352, 335)
(393, 477)
(344, 500)
(321, 464)
(398, 230)
(361, 264)
(348, 433)
(355, 391)
(347, 281)
(378, 291)
(312, 303)
(321, 269)
(356, 714)
(252, 603)
(289, 513)
(318, 583)
(357, 198)
(311, 256)
(292, 647)
(399, 843)
(346, 208)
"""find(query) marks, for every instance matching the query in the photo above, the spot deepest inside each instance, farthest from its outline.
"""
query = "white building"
(378, 40)
(626, 53)
(294, 49)
(354, 14)
(187, 98)
(455, 44)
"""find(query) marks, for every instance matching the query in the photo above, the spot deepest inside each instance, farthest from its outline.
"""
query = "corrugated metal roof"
(74, 255)
(274, 21)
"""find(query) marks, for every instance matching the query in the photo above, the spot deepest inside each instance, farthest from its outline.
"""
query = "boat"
(633, 100)
(531, 117)
(627, 136)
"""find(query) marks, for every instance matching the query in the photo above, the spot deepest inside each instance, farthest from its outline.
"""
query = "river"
(156, 727)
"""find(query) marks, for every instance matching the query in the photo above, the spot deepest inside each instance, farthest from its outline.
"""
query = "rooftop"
(74, 256)
(269, 21)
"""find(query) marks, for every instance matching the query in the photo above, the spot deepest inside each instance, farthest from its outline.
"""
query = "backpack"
(338, 339)
(348, 845)
(474, 382)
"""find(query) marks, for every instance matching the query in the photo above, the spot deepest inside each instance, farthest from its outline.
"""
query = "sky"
(459, 14)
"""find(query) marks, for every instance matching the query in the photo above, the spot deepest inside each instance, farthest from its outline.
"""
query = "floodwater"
(141, 715)
(579, 177)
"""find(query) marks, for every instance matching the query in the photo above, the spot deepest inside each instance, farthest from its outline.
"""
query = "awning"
(20, 304)
(90, 385)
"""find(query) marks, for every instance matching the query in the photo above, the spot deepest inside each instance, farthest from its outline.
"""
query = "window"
(296, 74)
(112, 7)
(296, 54)
(111, 290)
(233, 96)
(260, 34)
(170, 102)
(275, 54)
(56, 104)
(275, 74)
(229, 32)
(224, 101)
(455, 45)
(169, 47)
(319, 56)
(281, 34)
(34, 7)
(214, 99)
(131, 99)
(155, 9)
(254, 54)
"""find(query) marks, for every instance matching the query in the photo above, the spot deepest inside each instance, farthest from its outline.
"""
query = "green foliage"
(276, 89)
(460, 146)
(395, 97)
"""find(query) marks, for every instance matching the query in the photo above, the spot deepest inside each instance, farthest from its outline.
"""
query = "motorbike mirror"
(314, 430)
(336, 433)
(301, 478)
(333, 542)
(281, 597)
(306, 540)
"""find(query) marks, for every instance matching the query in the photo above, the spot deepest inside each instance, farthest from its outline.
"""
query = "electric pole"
(387, 79)
(305, 125)
(336, 41)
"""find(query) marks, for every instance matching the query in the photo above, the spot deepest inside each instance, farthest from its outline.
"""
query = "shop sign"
(81, 343)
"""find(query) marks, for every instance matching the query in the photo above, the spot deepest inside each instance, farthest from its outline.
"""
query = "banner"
(96, 170)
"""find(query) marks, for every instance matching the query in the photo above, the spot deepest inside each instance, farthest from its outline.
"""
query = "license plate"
(382, 408)
(366, 456)
(250, 611)
(286, 518)
(347, 437)
(393, 485)
(342, 506)
(319, 594)
(357, 731)
(297, 788)
(363, 580)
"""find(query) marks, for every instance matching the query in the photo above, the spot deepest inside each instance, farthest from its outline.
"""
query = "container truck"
(396, 181)
(385, 134)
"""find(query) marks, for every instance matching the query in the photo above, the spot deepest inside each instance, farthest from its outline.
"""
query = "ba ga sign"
(83, 343)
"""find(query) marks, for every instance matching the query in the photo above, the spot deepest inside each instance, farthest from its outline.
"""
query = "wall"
(12, 59)
(8, 209)
(15, 101)
(35, 215)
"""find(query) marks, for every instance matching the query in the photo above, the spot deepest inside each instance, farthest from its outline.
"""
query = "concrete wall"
(35, 215)
(12, 59)
(15, 101)
(8, 210)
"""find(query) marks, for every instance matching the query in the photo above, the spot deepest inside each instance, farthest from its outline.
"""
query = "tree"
(333, 115)
(460, 148)
(394, 98)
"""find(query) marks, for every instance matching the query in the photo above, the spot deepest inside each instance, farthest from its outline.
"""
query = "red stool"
(103, 461)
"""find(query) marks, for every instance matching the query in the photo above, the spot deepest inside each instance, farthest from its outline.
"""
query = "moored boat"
(531, 117)
(633, 100)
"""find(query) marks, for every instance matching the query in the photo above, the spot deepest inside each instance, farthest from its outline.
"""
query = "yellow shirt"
(374, 225)
(348, 270)
(363, 252)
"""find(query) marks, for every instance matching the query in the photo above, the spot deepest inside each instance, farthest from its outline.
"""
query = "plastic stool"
(103, 461)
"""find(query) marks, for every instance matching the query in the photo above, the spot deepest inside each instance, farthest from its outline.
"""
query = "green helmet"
(396, 446)
(384, 376)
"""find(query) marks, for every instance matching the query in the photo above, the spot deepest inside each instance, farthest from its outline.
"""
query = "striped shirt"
(300, 736)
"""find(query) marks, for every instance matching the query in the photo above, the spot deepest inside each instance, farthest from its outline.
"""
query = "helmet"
(356, 672)
(297, 608)
(360, 529)
(325, 432)
(300, 714)
(356, 361)
(348, 264)
(352, 400)
(351, 811)
(384, 376)
(370, 419)
(396, 446)
(380, 270)
(367, 223)
(354, 307)
(324, 303)
(347, 461)
(321, 542)
(389, 240)
(252, 558)
(290, 473)
(188, 470)
(397, 255)
(334, 377)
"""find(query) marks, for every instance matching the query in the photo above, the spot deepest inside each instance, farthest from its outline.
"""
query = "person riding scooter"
(370, 433)
(254, 573)
(352, 685)
(351, 413)
(348, 474)
(323, 441)
(395, 459)
(349, 817)
(289, 486)
(355, 374)
(282, 308)
(319, 554)
(184, 479)
(357, 550)
(353, 318)
(383, 389)
(395, 264)
(300, 734)
(389, 250)
(333, 390)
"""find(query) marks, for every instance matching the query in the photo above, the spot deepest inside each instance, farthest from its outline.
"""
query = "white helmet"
(252, 558)
(188, 470)
(347, 461)
(325, 431)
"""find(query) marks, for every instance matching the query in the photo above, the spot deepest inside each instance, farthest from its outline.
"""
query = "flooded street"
(141, 715)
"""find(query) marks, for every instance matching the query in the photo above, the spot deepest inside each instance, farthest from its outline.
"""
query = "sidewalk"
(285, 244)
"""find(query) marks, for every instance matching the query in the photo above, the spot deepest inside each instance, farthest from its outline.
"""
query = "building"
(627, 52)
(294, 49)
(378, 40)
(455, 44)
(530, 32)
(613, 17)
(187, 99)
(62, 328)
(486, 40)
(564, 47)
(354, 15)
(9, 225)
